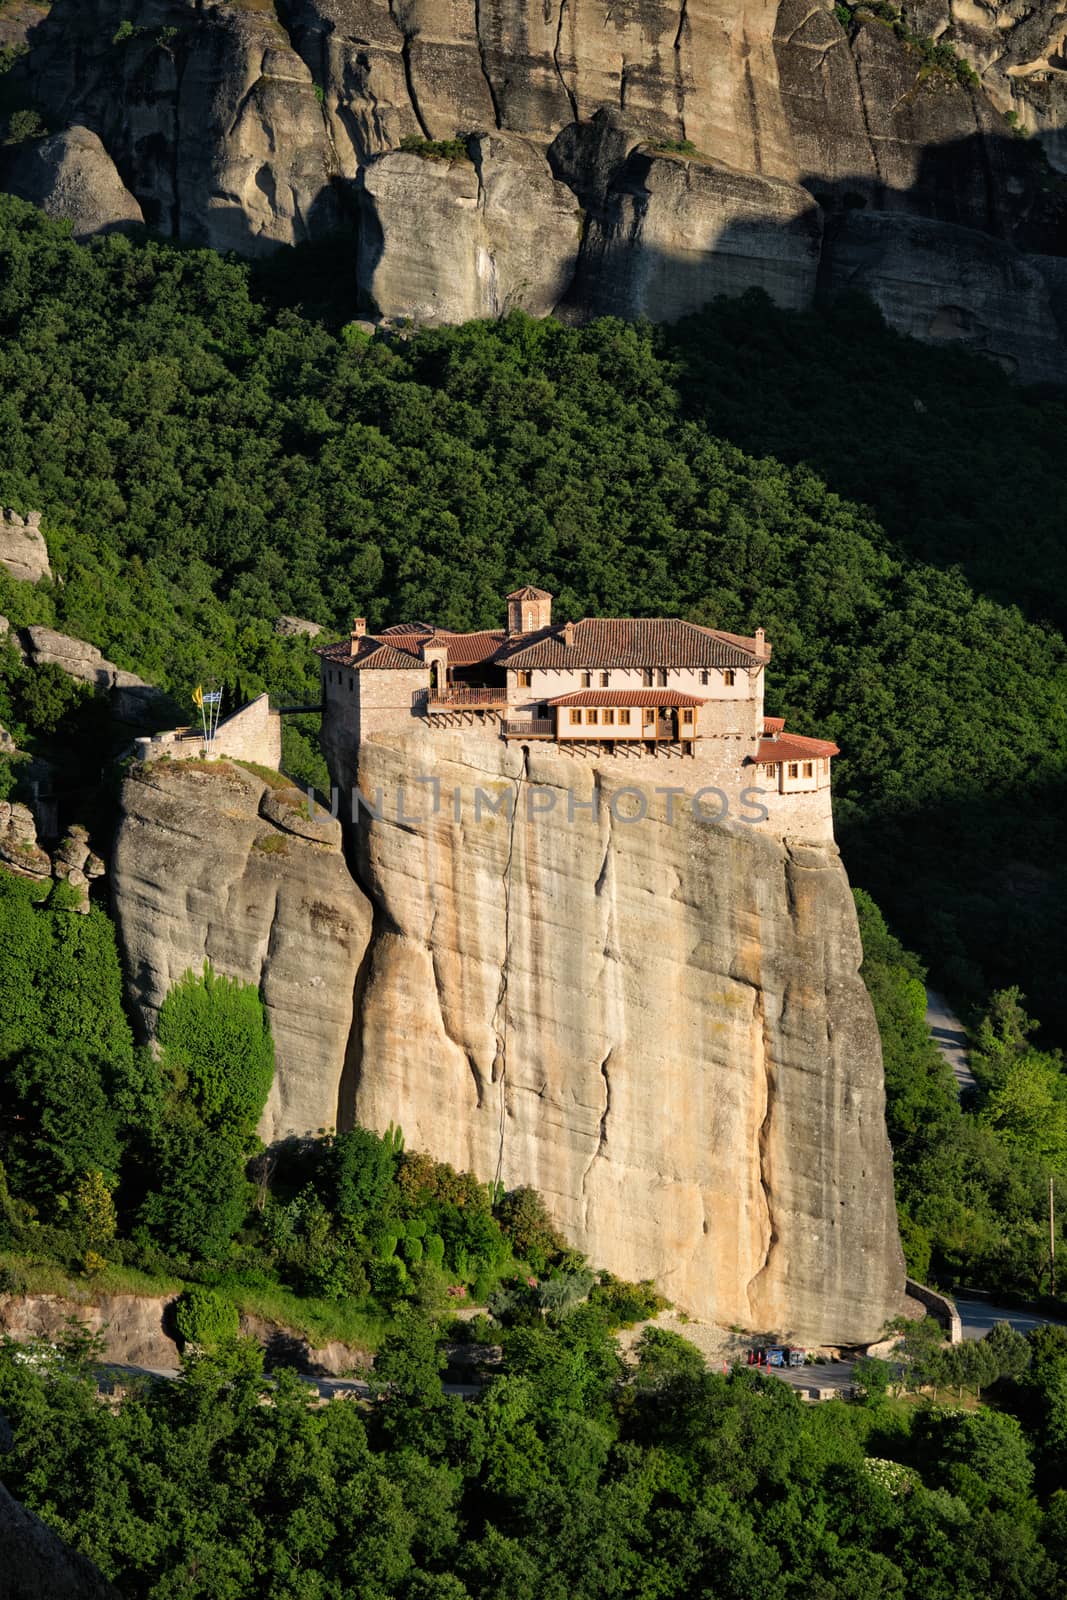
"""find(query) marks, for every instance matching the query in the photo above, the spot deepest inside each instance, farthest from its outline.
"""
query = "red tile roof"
(528, 592)
(632, 642)
(627, 697)
(773, 724)
(793, 747)
(595, 642)
(468, 649)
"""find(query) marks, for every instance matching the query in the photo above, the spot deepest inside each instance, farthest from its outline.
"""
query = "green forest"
(212, 445)
(207, 454)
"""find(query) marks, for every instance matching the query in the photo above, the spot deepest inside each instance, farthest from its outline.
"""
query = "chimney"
(760, 642)
(568, 635)
(359, 629)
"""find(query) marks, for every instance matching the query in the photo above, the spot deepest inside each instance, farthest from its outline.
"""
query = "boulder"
(290, 627)
(19, 849)
(71, 177)
(23, 551)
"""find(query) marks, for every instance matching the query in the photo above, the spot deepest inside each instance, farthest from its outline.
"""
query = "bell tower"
(529, 610)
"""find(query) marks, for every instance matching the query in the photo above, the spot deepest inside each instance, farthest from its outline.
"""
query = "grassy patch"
(271, 844)
(34, 1276)
(275, 780)
(320, 1321)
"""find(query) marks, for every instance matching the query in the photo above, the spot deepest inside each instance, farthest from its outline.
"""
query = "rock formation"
(23, 551)
(211, 863)
(659, 1024)
(242, 127)
(132, 699)
(71, 176)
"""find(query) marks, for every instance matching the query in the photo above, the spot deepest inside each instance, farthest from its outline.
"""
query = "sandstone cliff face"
(211, 863)
(660, 1025)
(237, 125)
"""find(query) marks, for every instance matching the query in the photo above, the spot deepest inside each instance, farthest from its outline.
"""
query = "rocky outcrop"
(71, 177)
(658, 1024)
(23, 551)
(19, 849)
(290, 627)
(240, 127)
(666, 234)
(450, 240)
(137, 1330)
(201, 872)
(952, 285)
(132, 699)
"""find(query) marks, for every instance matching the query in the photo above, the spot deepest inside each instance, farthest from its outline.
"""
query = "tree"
(217, 1046)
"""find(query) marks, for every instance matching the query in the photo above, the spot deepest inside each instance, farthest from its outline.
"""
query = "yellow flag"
(198, 697)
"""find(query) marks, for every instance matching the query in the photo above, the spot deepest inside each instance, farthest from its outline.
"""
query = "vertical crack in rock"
(602, 1138)
(759, 1012)
(483, 62)
(405, 57)
(753, 109)
(500, 1014)
(468, 1056)
(865, 114)
(679, 86)
(571, 96)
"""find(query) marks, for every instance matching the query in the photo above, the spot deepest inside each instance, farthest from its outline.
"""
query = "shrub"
(203, 1317)
(436, 149)
(23, 125)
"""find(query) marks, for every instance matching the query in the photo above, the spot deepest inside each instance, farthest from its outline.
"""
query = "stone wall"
(252, 734)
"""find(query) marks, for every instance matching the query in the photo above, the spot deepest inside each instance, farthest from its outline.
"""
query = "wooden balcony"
(459, 697)
(529, 728)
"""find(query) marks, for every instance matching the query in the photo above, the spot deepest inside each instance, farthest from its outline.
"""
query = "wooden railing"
(465, 697)
(529, 728)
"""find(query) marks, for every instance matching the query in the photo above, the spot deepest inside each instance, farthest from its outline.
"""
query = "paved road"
(978, 1316)
(950, 1036)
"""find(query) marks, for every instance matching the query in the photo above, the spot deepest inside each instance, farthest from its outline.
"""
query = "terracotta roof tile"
(793, 747)
(773, 724)
(632, 642)
(627, 697)
(528, 592)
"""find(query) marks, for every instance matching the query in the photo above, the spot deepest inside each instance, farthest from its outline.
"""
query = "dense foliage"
(972, 1179)
(573, 1478)
(205, 461)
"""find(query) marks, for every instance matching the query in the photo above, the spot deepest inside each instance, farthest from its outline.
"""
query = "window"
(587, 678)
(525, 679)
(624, 714)
(646, 677)
(609, 715)
(576, 716)
(808, 769)
(704, 675)
(351, 682)
(772, 770)
(650, 714)
(792, 770)
(687, 716)
(592, 715)
(728, 677)
(661, 677)
(603, 680)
